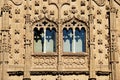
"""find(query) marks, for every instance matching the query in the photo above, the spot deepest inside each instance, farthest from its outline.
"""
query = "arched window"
(74, 41)
(44, 40)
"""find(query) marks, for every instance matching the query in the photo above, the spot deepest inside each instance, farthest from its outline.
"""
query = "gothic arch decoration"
(117, 1)
(75, 33)
(44, 38)
(100, 2)
(17, 2)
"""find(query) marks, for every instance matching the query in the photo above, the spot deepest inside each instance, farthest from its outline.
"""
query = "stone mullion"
(60, 49)
(44, 47)
(73, 41)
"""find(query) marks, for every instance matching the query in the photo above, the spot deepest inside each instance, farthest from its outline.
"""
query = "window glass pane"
(79, 40)
(38, 40)
(83, 37)
(67, 40)
(50, 40)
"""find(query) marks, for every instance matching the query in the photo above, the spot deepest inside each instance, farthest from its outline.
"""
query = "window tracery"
(74, 37)
(44, 37)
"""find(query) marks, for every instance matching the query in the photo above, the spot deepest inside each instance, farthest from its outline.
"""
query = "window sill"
(75, 54)
(45, 54)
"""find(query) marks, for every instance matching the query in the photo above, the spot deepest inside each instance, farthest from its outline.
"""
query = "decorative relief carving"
(73, 62)
(100, 62)
(36, 11)
(16, 62)
(98, 12)
(16, 41)
(90, 7)
(99, 32)
(100, 2)
(100, 51)
(17, 31)
(6, 8)
(100, 41)
(44, 10)
(17, 11)
(106, 56)
(27, 7)
(17, 20)
(16, 51)
(82, 12)
(107, 7)
(52, 12)
(83, 3)
(117, 1)
(45, 62)
(73, 10)
(17, 2)
(99, 21)
(36, 3)
(66, 12)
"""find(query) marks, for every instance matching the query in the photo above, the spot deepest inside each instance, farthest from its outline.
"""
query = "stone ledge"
(26, 79)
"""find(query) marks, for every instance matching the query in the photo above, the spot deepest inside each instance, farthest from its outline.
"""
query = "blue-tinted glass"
(67, 40)
(38, 40)
(50, 40)
(79, 40)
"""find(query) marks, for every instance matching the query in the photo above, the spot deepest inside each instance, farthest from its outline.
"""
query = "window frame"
(44, 28)
(73, 27)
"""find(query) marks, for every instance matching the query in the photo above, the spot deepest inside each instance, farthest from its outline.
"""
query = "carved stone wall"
(101, 21)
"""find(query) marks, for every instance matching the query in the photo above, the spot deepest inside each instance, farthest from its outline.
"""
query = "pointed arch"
(44, 35)
(74, 35)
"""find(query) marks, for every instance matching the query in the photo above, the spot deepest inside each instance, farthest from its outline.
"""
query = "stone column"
(91, 53)
(113, 40)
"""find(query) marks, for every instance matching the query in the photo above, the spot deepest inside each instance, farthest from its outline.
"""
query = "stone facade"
(100, 19)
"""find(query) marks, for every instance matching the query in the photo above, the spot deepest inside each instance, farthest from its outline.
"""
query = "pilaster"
(113, 39)
(92, 60)
(27, 62)
(28, 47)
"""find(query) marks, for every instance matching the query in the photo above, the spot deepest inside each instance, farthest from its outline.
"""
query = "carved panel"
(44, 62)
(74, 62)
